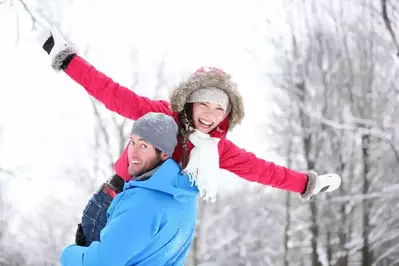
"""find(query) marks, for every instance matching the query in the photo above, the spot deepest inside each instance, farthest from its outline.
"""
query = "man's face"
(142, 156)
(207, 116)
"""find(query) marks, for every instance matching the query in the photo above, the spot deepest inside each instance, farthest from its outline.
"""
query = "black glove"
(117, 183)
(80, 238)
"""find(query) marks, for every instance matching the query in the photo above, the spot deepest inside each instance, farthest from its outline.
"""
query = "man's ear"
(164, 156)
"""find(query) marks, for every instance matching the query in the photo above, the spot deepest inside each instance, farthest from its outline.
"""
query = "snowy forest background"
(321, 85)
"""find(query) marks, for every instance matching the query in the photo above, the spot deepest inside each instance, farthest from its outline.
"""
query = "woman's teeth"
(205, 123)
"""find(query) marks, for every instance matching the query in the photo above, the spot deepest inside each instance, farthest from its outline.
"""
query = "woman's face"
(207, 116)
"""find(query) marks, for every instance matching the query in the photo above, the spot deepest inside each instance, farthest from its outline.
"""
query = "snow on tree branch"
(388, 25)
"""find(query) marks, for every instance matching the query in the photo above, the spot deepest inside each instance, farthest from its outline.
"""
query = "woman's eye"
(143, 146)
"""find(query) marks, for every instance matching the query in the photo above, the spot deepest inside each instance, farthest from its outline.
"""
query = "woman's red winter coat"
(130, 105)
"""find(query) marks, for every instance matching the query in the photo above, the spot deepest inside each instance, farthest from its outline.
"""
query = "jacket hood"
(209, 77)
(168, 179)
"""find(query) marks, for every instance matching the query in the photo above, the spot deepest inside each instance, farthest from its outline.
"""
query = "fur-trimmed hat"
(207, 77)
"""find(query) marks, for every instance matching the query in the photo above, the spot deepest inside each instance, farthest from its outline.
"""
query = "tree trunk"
(195, 249)
(366, 255)
(315, 233)
(287, 227)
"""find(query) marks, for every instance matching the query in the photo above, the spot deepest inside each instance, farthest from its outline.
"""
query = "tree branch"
(388, 24)
(103, 129)
(7, 172)
(30, 13)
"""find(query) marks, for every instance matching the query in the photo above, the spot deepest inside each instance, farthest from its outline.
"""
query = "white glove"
(55, 45)
(320, 183)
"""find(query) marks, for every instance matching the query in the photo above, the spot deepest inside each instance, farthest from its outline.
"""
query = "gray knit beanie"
(157, 129)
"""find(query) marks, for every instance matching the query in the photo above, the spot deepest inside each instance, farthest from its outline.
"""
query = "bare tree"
(162, 82)
(3, 170)
(388, 23)
(9, 254)
(195, 251)
(112, 130)
(52, 227)
(288, 197)
(336, 66)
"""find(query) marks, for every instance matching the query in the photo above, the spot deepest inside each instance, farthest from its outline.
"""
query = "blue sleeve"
(128, 233)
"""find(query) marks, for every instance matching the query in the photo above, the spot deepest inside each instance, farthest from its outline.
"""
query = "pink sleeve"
(114, 96)
(121, 166)
(246, 165)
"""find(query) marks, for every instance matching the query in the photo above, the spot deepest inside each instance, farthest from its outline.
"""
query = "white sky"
(47, 117)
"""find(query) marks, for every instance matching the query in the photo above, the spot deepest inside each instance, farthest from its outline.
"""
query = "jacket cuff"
(63, 58)
(310, 186)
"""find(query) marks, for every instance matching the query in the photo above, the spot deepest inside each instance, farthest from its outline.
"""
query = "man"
(152, 221)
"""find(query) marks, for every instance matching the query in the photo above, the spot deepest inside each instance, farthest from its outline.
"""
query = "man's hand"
(80, 238)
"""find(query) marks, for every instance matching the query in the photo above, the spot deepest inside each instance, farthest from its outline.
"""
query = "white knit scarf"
(203, 166)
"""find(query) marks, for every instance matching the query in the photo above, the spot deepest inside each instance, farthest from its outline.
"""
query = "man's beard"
(155, 164)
